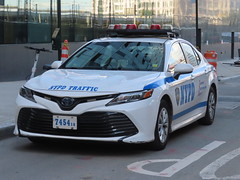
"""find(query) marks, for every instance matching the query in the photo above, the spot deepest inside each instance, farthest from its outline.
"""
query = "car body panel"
(89, 82)
(187, 94)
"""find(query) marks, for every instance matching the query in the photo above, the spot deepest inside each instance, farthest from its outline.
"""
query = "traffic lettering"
(74, 88)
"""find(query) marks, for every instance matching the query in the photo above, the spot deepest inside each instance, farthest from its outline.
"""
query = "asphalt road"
(195, 152)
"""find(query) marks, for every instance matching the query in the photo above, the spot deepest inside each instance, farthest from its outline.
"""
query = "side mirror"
(182, 69)
(56, 64)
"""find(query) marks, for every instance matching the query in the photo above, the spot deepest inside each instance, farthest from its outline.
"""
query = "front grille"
(90, 124)
(76, 100)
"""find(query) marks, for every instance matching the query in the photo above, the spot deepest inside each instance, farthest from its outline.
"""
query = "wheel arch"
(161, 132)
(168, 100)
(213, 85)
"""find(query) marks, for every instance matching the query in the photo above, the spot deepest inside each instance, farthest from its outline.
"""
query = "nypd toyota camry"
(132, 88)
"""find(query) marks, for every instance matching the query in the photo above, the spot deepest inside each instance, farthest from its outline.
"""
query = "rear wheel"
(162, 128)
(211, 108)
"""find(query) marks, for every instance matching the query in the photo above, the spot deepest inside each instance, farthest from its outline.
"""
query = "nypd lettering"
(57, 87)
(185, 94)
(74, 88)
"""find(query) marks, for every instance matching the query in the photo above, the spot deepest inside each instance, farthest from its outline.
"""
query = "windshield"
(135, 56)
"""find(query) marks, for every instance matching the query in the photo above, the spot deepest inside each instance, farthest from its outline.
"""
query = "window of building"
(33, 21)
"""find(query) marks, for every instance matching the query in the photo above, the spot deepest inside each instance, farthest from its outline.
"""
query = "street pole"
(51, 17)
(134, 12)
(232, 45)
(94, 19)
(59, 26)
(196, 17)
(198, 31)
(110, 9)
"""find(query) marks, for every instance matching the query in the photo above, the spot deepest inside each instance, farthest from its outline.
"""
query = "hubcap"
(163, 125)
(211, 105)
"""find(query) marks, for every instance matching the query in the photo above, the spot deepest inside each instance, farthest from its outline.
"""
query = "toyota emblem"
(67, 101)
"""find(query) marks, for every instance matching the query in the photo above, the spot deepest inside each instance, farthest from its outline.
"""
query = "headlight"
(131, 97)
(27, 93)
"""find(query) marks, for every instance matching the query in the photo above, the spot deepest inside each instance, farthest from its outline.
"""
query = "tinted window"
(190, 55)
(176, 57)
(136, 56)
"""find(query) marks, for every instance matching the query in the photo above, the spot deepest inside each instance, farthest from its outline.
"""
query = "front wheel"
(162, 128)
(211, 108)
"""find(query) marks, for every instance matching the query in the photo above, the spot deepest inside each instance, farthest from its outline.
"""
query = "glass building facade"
(33, 21)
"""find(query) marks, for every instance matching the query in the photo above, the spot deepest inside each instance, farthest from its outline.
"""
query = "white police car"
(133, 89)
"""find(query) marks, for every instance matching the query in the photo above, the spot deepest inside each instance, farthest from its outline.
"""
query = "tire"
(162, 128)
(211, 108)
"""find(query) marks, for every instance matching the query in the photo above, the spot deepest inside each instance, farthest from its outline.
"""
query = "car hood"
(91, 81)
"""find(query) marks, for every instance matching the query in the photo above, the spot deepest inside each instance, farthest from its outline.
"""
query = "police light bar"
(155, 26)
(131, 26)
(142, 32)
(143, 26)
(117, 26)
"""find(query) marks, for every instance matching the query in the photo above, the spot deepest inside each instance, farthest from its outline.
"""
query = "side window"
(197, 56)
(190, 55)
(176, 57)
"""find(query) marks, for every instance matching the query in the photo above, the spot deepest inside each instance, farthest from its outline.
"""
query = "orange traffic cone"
(65, 49)
(211, 56)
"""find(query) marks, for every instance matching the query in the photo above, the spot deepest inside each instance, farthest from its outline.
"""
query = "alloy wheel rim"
(163, 125)
(212, 105)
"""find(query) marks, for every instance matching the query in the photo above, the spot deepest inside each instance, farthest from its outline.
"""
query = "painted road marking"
(191, 158)
(209, 171)
(138, 166)
(179, 165)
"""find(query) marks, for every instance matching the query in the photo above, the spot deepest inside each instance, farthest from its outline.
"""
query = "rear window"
(135, 56)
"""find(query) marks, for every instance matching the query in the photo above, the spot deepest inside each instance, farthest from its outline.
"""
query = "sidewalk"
(8, 94)
(9, 91)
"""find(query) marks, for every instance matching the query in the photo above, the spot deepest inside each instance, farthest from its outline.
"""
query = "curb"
(6, 131)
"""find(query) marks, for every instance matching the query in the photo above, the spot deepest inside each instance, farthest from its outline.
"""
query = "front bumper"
(130, 122)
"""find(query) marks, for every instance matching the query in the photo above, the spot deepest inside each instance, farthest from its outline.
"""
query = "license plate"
(65, 122)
